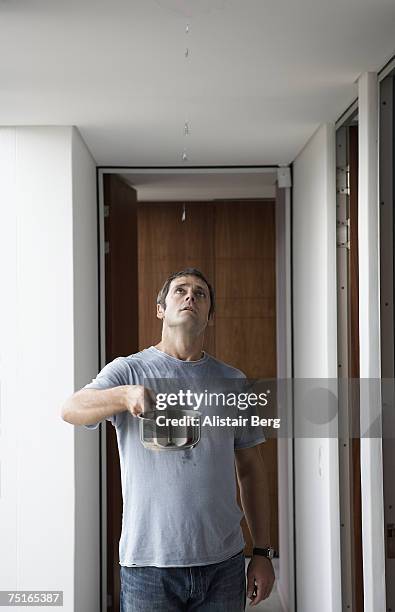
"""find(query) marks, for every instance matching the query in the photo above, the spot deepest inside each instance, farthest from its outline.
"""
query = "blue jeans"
(220, 587)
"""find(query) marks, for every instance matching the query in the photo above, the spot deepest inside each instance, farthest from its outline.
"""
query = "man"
(181, 546)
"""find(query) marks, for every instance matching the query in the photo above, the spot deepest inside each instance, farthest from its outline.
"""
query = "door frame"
(373, 548)
(387, 284)
(287, 582)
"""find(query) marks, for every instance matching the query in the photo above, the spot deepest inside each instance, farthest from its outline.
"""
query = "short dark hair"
(161, 299)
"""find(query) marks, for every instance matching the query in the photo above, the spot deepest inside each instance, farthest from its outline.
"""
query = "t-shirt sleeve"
(114, 374)
(250, 435)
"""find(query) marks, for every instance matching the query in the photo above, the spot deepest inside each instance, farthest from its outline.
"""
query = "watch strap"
(264, 552)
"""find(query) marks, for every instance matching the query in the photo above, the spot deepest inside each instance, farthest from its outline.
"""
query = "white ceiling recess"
(259, 78)
(202, 185)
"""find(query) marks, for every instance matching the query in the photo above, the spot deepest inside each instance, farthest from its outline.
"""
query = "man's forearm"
(89, 406)
(255, 500)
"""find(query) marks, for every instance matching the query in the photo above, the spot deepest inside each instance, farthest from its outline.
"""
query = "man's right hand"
(139, 399)
(89, 406)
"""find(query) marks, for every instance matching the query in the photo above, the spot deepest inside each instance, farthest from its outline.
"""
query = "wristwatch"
(264, 552)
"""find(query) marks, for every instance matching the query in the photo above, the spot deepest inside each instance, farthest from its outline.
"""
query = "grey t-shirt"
(179, 507)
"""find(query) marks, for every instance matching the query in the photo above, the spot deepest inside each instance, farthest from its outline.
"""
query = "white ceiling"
(260, 77)
(202, 185)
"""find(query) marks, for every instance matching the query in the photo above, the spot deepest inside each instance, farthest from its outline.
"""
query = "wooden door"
(121, 291)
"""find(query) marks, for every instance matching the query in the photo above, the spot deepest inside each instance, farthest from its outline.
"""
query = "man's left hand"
(260, 579)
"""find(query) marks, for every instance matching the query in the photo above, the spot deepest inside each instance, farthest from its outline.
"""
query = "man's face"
(187, 303)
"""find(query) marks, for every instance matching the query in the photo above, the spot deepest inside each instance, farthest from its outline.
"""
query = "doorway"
(233, 243)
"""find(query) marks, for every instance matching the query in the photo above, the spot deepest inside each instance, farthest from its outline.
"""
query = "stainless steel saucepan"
(171, 429)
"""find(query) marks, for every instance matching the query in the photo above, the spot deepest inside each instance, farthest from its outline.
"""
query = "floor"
(273, 603)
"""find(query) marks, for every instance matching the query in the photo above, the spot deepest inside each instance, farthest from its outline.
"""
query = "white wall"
(286, 585)
(86, 350)
(40, 323)
(9, 383)
(315, 356)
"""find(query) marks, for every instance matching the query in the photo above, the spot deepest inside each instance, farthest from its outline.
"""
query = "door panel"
(244, 230)
(242, 342)
(120, 232)
(246, 279)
